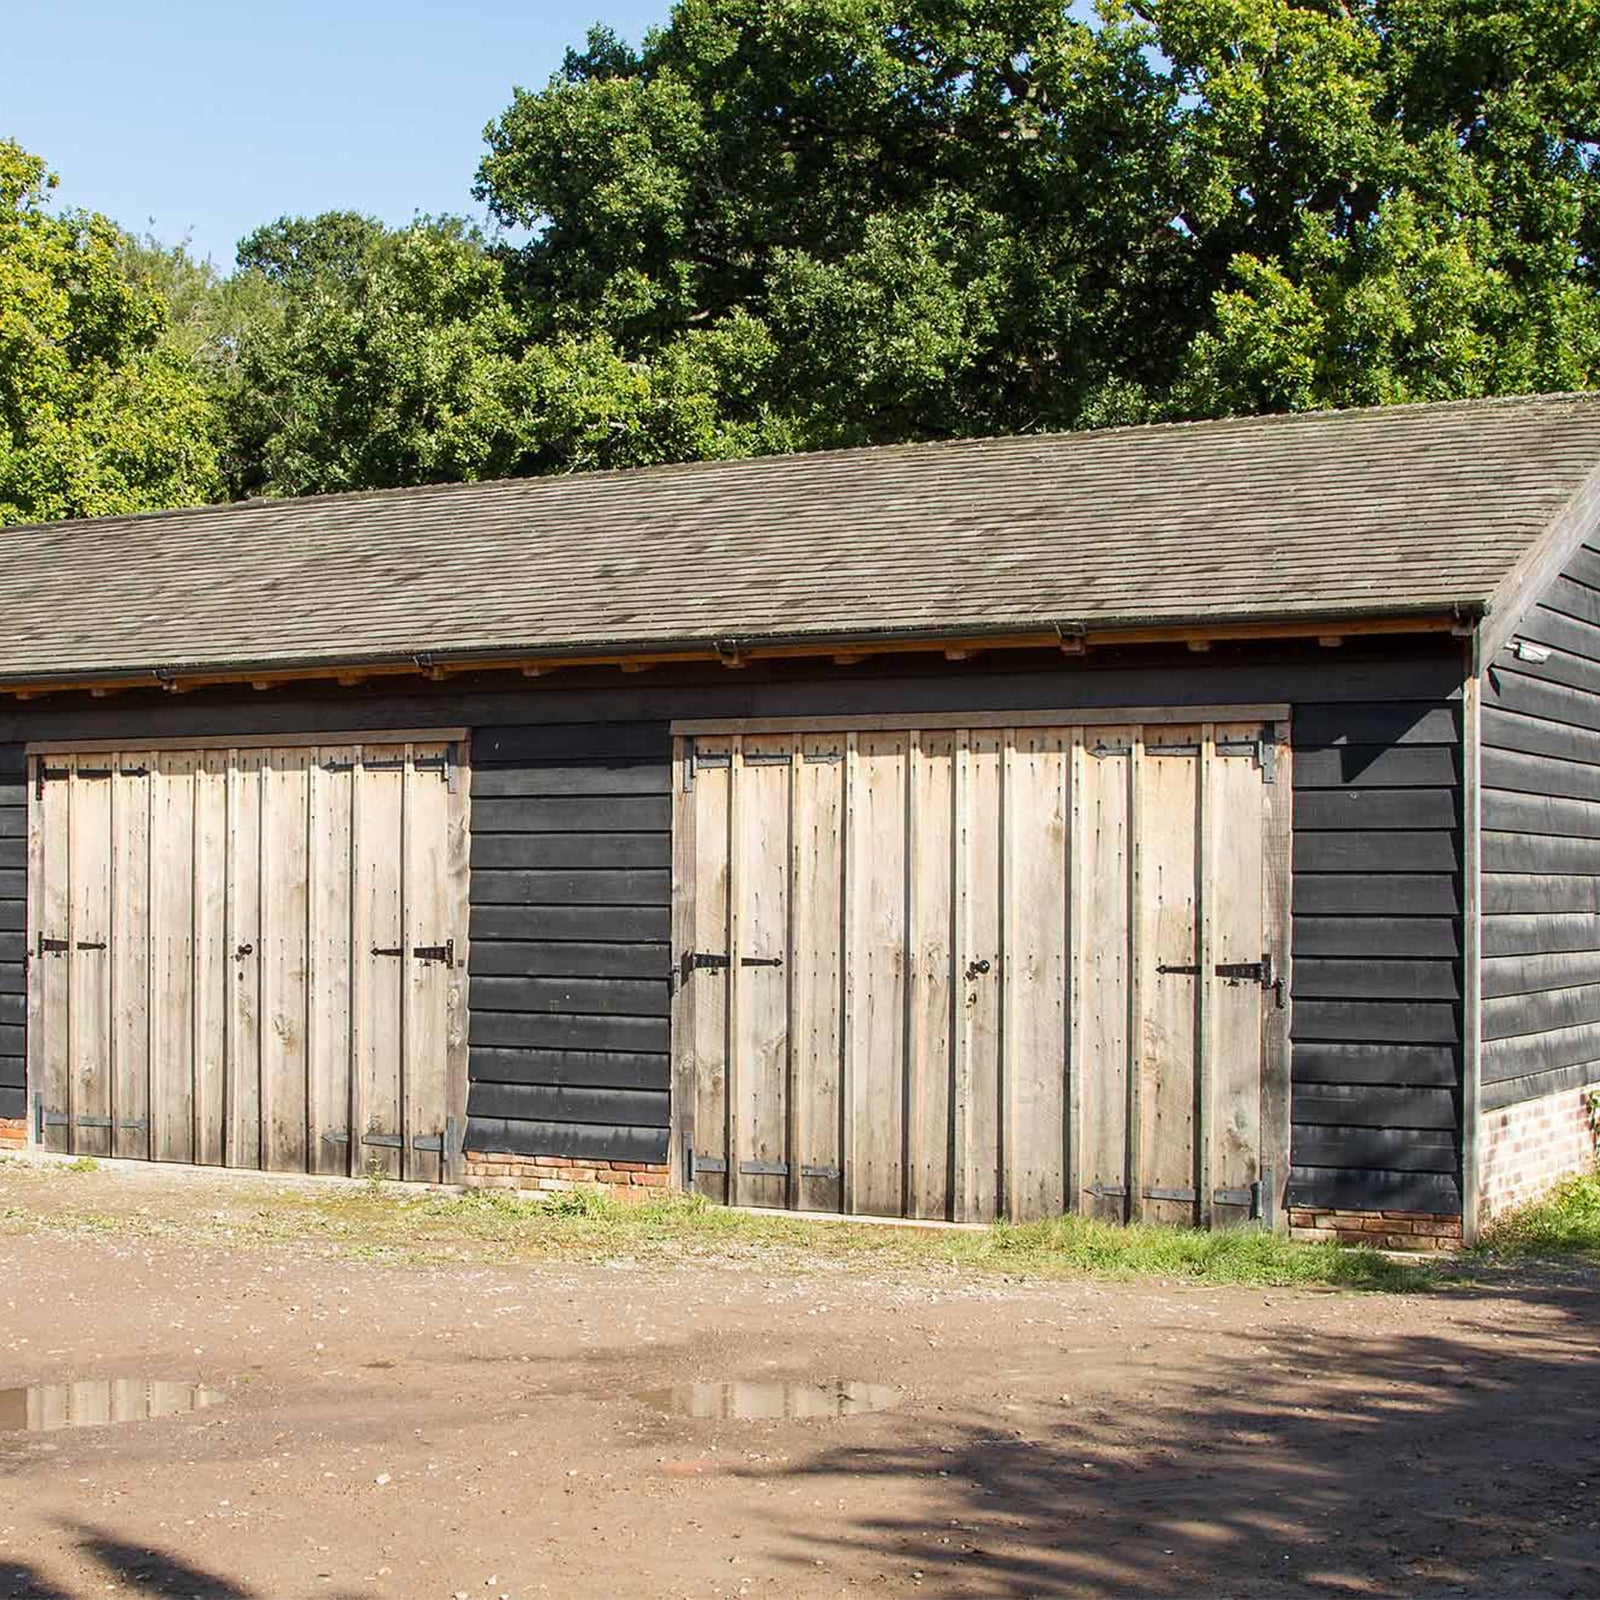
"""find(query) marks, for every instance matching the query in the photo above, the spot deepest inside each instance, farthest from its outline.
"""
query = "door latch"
(976, 969)
(445, 952)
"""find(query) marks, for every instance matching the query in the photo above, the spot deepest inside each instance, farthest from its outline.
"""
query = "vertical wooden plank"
(1072, 1133)
(244, 948)
(428, 926)
(213, 968)
(876, 1109)
(1035, 976)
(130, 952)
(932, 954)
(1471, 946)
(849, 942)
(761, 848)
(331, 781)
(88, 961)
(815, 943)
(733, 1064)
(980, 978)
(1207, 1065)
(50, 920)
(1103, 1037)
(1169, 929)
(681, 1137)
(1137, 985)
(284, 912)
(1236, 892)
(960, 1076)
(457, 890)
(712, 779)
(379, 783)
(793, 1097)
(1277, 798)
(172, 924)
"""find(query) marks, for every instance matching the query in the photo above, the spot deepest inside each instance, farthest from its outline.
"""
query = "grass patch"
(1566, 1223)
(391, 1222)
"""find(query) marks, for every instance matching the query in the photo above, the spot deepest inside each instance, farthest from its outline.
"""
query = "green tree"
(96, 414)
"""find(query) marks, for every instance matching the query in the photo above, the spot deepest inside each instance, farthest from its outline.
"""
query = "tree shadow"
(1285, 1463)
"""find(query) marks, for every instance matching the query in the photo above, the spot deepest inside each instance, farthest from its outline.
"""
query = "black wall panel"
(1541, 847)
(13, 930)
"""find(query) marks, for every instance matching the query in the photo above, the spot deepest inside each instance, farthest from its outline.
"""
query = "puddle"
(49, 1407)
(755, 1402)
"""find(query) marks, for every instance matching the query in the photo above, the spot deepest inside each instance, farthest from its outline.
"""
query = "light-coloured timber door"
(985, 971)
(251, 956)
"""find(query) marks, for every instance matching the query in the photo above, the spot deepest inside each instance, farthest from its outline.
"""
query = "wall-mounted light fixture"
(1524, 651)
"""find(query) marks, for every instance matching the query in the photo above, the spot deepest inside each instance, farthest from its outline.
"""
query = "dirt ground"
(478, 1429)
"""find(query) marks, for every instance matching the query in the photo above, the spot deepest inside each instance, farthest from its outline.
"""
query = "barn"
(1195, 823)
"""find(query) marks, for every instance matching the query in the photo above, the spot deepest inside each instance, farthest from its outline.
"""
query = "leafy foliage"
(788, 224)
(96, 415)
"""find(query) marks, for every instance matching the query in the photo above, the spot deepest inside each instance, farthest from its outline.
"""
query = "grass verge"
(395, 1224)
(1565, 1224)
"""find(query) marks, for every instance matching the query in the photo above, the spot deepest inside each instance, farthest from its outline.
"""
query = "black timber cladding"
(13, 930)
(571, 906)
(1377, 1022)
(1373, 728)
(1540, 785)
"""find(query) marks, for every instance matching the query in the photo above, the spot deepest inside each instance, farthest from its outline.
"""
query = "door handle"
(974, 968)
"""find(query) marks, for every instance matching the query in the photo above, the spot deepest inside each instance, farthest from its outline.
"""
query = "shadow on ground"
(1303, 1463)
(137, 1569)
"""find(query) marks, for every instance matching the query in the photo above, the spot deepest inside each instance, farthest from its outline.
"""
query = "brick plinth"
(1525, 1150)
(1383, 1230)
(625, 1180)
(13, 1133)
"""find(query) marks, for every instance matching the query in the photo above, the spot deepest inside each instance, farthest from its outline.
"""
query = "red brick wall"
(1524, 1150)
(1383, 1230)
(13, 1134)
(627, 1180)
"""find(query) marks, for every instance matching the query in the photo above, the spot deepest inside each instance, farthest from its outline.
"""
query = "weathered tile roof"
(1337, 514)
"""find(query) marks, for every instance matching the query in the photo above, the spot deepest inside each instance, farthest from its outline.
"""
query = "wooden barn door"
(980, 972)
(251, 956)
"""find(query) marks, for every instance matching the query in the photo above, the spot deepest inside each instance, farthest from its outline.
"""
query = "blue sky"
(203, 120)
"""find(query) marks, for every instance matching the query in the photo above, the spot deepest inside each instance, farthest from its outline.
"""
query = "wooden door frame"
(1277, 845)
(457, 866)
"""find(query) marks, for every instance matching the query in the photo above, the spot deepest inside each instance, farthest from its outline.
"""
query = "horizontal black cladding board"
(1377, 766)
(1376, 978)
(1510, 1016)
(497, 787)
(1421, 1066)
(567, 850)
(594, 1069)
(1402, 722)
(1558, 816)
(1538, 852)
(1343, 1188)
(13, 883)
(1536, 1053)
(1376, 894)
(597, 1141)
(1510, 772)
(546, 1102)
(581, 886)
(13, 916)
(1570, 632)
(1531, 933)
(1539, 893)
(13, 1041)
(1550, 703)
(1515, 733)
(1572, 598)
(13, 1102)
(588, 923)
(1377, 1021)
(13, 1007)
(1497, 1094)
(563, 742)
(1372, 809)
(1397, 852)
(1559, 668)
(511, 1028)
(1375, 936)
(1391, 1149)
(585, 814)
(1533, 974)
(514, 958)
(602, 997)
(13, 822)
(13, 1071)
(1363, 1105)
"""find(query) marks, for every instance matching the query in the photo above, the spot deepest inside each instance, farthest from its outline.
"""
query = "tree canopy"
(790, 224)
